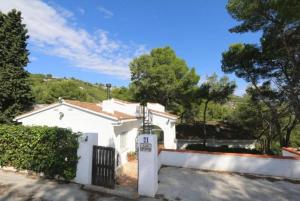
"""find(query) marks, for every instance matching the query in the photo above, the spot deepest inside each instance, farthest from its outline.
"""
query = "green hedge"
(50, 150)
(223, 149)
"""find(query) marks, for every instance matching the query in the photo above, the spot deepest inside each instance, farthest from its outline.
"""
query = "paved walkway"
(129, 175)
(195, 185)
(18, 187)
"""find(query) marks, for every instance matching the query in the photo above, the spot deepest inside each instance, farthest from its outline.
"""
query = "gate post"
(147, 165)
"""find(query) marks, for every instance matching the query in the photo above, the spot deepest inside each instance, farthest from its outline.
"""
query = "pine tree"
(15, 91)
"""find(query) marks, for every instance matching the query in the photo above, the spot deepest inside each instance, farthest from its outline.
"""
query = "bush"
(224, 149)
(50, 150)
(131, 156)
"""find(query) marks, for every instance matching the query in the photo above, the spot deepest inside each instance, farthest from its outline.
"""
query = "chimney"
(108, 106)
(108, 86)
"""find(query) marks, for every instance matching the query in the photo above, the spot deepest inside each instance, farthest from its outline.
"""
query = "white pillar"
(85, 152)
(148, 160)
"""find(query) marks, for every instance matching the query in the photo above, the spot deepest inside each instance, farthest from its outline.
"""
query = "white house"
(112, 123)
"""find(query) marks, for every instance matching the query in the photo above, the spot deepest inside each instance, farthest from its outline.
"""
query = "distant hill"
(47, 89)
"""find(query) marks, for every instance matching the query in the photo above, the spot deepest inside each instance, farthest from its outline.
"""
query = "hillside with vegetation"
(46, 89)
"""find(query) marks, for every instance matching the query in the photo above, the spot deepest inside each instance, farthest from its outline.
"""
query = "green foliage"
(164, 78)
(47, 89)
(215, 111)
(295, 137)
(215, 130)
(247, 115)
(15, 93)
(123, 93)
(272, 66)
(223, 149)
(217, 91)
(50, 150)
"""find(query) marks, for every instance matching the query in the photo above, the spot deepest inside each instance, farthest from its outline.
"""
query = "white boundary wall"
(287, 167)
(85, 152)
(287, 151)
(264, 165)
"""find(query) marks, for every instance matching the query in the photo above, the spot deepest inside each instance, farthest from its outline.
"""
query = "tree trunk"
(287, 138)
(268, 146)
(204, 123)
(268, 140)
(181, 117)
(289, 132)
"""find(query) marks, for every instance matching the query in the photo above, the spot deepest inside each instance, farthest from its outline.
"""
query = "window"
(123, 140)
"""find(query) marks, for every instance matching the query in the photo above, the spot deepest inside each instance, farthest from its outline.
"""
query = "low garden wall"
(288, 151)
(279, 166)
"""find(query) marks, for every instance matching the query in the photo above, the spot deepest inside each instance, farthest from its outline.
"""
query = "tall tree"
(254, 117)
(15, 92)
(217, 91)
(162, 77)
(273, 66)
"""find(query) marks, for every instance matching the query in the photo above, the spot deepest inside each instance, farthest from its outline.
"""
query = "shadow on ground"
(190, 184)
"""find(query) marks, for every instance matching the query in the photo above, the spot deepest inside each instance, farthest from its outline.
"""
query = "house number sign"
(146, 146)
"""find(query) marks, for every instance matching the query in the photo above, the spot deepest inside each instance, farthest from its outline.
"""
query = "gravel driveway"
(195, 185)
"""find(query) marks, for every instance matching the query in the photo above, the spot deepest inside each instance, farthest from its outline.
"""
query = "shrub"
(200, 147)
(50, 150)
(131, 156)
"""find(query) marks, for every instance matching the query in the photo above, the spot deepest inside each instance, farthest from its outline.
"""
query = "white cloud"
(51, 33)
(240, 90)
(81, 11)
(106, 13)
(32, 58)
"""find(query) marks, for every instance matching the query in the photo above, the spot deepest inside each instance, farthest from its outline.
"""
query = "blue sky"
(94, 40)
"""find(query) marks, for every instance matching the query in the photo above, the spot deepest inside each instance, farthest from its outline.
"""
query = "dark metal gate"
(103, 170)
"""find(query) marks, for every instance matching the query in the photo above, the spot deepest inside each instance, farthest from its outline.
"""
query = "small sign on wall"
(145, 145)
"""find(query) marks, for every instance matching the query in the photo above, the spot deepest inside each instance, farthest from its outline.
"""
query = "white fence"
(287, 167)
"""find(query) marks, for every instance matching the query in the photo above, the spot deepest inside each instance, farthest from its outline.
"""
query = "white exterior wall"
(156, 106)
(81, 121)
(100, 132)
(169, 130)
(78, 121)
(282, 167)
(112, 105)
(131, 129)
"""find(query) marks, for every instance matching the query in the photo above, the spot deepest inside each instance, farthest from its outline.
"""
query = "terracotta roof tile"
(97, 108)
(164, 113)
(125, 102)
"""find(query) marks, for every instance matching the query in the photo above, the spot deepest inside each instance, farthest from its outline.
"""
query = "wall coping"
(291, 150)
(230, 154)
